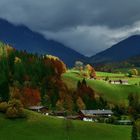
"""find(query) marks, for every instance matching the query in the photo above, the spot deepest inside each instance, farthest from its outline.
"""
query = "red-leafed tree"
(30, 97)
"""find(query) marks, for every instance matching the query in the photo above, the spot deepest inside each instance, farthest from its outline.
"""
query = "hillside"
(130, 62)
(38, 127)
(122, 66)
(123, 50)
(117, 94)
(22, 38)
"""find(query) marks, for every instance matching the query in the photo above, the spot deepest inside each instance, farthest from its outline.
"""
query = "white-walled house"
(91, 115)
(118, 82)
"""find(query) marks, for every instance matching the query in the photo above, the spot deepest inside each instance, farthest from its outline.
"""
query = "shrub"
(112, 119)
(15, 109)
(3, 106)
(101, 120)
(12, 112)
(15, 103)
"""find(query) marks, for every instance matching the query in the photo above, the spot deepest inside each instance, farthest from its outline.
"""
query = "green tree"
(134, 105)
(4, 87)
(132, 72)
(134, 133)
(79, 65)
(84, 82)
(19, 71)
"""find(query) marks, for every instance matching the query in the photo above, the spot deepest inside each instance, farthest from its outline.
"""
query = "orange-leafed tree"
(57, 64)
(91, 71)
(80, 104)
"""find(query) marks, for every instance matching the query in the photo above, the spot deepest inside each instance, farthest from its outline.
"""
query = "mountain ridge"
(22, 38)
(123, 50)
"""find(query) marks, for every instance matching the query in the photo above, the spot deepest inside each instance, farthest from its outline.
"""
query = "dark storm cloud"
(88, 26)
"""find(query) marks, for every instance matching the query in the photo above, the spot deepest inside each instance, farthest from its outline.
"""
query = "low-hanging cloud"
(87, 26)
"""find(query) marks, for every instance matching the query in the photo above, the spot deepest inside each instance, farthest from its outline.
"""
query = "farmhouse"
(40, 109)
(89, 115)
(117, 82)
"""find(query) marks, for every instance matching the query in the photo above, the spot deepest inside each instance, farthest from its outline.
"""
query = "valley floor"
(39, 127)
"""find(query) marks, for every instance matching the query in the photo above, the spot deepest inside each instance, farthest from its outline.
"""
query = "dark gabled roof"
(36, 107)
(96, 112)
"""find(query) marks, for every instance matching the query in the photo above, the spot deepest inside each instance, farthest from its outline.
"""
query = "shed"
(40, 109)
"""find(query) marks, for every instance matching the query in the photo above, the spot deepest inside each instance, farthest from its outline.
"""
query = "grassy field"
(38, 127)
(131, 81)
(112, 93)
(100, 74)
(104, 74)
(117, 76)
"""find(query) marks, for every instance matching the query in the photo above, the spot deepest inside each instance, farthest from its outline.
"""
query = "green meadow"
(112, 93)
(39, 127)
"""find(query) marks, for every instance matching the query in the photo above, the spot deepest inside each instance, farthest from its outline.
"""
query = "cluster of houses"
(118, 82)
(85, 115)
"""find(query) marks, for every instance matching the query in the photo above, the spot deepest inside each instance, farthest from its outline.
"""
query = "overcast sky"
(88, 26)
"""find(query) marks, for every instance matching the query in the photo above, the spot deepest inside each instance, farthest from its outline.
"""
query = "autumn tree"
(68, 104)
(65, 101)
(58, 65)
(86, 93)
(91, 71)
(80, 104)
(30, 96)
